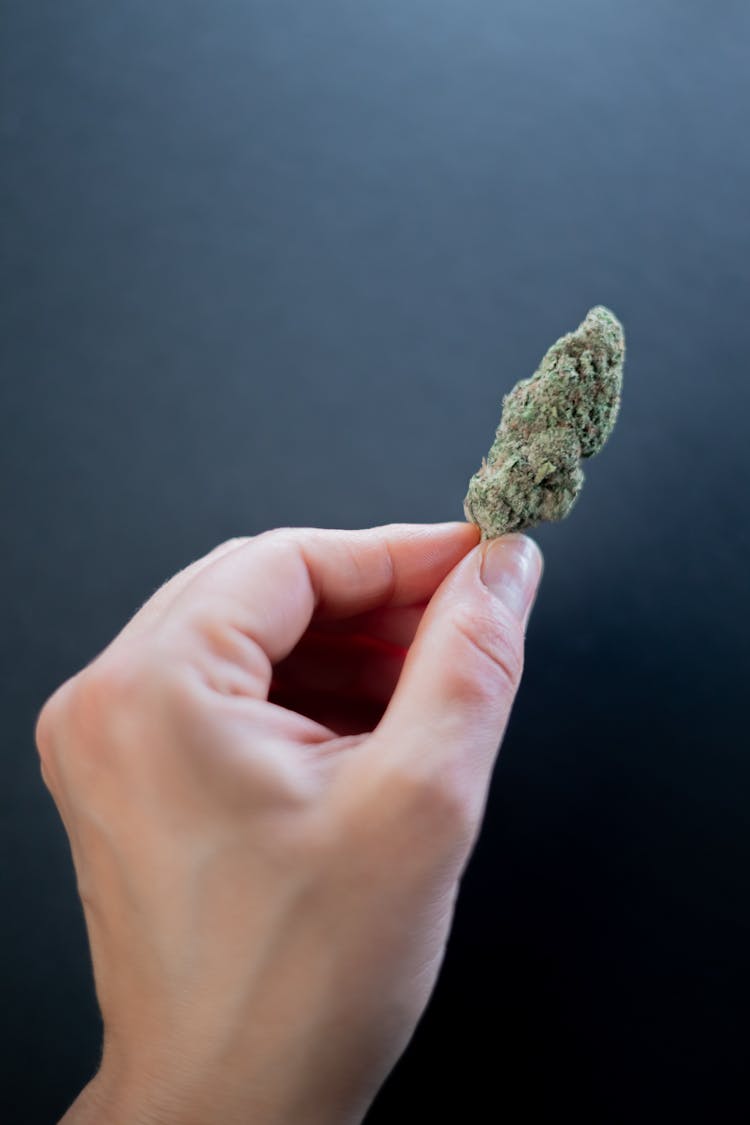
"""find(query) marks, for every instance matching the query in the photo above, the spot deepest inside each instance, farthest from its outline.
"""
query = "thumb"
(447, 715)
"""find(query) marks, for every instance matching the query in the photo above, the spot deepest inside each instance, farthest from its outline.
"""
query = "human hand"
(272, 780)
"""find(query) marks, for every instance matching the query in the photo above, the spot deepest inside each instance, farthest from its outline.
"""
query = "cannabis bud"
(564, 412)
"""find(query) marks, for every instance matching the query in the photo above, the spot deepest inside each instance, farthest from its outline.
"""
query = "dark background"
(275, 262)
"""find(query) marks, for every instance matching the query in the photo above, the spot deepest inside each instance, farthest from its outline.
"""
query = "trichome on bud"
(564, 412)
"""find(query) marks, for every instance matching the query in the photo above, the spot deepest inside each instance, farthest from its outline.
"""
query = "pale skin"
(272, 780)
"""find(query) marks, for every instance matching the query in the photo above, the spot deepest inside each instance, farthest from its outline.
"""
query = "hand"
(272, 780)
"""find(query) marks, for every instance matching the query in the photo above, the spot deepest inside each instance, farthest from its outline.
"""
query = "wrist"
(118, 1100)
(124, 1101)
(91, 1105)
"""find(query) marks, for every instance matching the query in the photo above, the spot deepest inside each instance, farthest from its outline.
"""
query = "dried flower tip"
(564, 412)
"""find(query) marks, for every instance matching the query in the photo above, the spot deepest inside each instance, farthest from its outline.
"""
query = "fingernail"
(511, 569)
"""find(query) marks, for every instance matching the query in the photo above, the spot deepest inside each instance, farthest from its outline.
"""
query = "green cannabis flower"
(564, 412)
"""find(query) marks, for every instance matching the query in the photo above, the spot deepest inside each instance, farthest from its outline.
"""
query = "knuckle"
(230, 544)
(102, 693)
(490, 655)
(231, 648)
(111, 679)
(104, 716)
(376, 564)
(65, 723)
(383, 566)
(50, 721)
(280, 534)
(433, 799)
(407, 816)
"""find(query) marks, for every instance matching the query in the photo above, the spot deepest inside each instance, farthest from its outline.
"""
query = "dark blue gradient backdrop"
(273, 263)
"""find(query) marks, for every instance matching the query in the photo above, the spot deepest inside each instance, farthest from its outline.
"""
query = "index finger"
(271, 587)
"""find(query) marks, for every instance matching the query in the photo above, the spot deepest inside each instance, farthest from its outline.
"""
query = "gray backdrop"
(276, 263)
